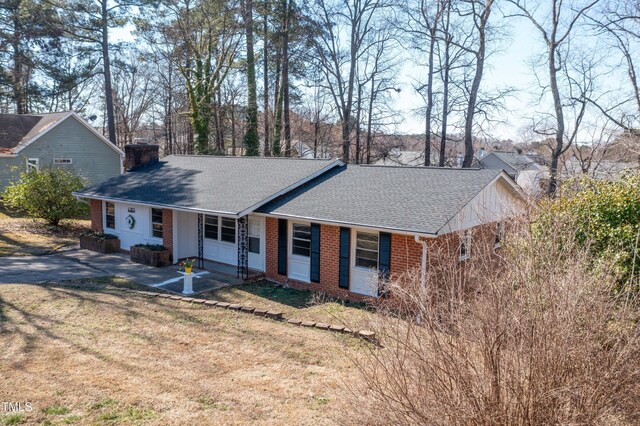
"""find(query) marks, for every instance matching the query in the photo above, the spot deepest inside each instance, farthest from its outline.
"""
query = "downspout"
(423, 271)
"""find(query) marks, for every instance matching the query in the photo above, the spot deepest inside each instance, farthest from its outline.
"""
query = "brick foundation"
(167, 230)
(96, 215)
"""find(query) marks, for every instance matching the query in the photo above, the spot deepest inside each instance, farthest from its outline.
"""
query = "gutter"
(423, 271)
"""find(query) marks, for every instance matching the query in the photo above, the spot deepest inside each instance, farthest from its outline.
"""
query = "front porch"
(213, 276)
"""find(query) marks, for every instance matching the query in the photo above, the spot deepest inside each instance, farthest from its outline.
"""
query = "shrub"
(46, 194)
(99, 235)
(152, 247)
(603, 216)
(532, 336)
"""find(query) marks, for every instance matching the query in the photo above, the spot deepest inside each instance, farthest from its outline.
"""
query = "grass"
(20, 236)
(303, 305)
(84, 353)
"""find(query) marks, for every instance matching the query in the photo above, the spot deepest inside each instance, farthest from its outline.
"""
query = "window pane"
(110, 215)
(157, 230)
(228, 230)
(367, 250)
(254, 245)
(301, 240)
(301, 248)
(211, 227)
(156, 216)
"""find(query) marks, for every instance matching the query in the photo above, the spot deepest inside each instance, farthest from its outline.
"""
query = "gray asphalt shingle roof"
(412, 199)
(217, 184)
(517, 161)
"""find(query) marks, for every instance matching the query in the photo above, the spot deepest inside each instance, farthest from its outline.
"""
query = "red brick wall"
(96, 215)
(167, 230)
(406, 254)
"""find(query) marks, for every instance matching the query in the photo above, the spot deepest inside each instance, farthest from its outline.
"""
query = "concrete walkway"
(79, 264)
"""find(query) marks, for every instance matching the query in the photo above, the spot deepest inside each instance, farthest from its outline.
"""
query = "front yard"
(21, 236)
(83, 353)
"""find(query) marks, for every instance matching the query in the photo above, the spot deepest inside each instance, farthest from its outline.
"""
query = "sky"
(507, 68)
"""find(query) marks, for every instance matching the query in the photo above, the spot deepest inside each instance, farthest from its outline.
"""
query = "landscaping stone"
(212, 302)
(164, 296)
(260, 312)
(223, 304)
(175, 297)
(187, 299)
(235, 306)
(294, 321)
(307, 323)
(322, 326)
(248, 309)
(274, 314)
(199, 300)
(366, 334)
(347, 330)
(334, 327)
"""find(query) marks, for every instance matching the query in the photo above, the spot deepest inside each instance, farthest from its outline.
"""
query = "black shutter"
(384, 254)
(315, 253)
(282, 246)
(345, 251)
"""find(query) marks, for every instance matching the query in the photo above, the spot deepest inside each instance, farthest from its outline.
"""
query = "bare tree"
(342, 27)
(556, 30)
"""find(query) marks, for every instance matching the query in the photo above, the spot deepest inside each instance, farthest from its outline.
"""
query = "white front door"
(256, 243)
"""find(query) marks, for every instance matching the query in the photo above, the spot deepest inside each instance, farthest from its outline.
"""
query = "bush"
(531, 336)
(99, 235)
(603, 216)
(152, 247)
(46, 194)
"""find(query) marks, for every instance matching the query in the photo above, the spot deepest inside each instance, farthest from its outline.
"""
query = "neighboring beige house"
(524, 170)
(60, 139)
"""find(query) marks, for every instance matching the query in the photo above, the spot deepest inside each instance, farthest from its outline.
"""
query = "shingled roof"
(18, 129)
(225, 185)
(409, 199)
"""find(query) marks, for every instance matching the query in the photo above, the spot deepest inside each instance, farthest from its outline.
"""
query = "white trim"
(174, 236)
(355, 246)
(61, 161)
(36, 165)
(22, 146)
(291, 187)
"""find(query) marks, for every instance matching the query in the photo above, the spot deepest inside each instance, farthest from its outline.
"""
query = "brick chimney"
(139, 155)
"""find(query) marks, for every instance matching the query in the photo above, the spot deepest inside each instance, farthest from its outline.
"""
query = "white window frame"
(105, 215)
(30, 165)
(62, 161)
(465, 240)
(355, 250)
(499, 235)
(291, 253)
(151, 223)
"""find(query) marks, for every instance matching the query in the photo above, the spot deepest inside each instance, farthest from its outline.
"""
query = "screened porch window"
(301, 240)
(367, 250)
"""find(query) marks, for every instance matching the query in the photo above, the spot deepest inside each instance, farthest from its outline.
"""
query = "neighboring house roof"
(226, 185)
(17, 131)
(519, 162)
(409, 199)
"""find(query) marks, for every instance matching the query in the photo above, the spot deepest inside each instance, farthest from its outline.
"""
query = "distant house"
(523, 169)
(61, 139)
(313, 224)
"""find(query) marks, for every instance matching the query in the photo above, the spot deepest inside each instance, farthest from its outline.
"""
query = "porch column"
(243, 247)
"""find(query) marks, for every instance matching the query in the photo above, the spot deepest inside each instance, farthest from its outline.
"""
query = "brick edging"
(272, 314)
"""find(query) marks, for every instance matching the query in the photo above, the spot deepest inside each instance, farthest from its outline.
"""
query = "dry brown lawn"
(23, 237)
(86, 354)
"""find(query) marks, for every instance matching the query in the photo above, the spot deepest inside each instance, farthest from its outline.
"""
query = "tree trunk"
(251, 142)
(111, 122)
(427, 136)
(475, 85)
(357, 122)
(265, 68)
(370, 120)
(285, 78)
(557, 104)
(445, 102)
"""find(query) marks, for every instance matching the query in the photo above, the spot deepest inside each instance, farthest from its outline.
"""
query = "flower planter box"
(150, 255)
(101, 243)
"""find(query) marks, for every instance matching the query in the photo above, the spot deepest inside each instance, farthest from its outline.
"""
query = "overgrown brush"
(528, 334)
